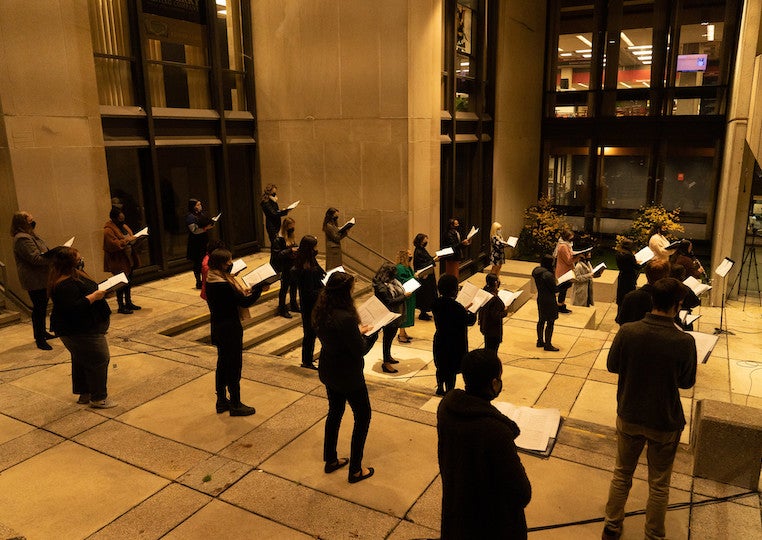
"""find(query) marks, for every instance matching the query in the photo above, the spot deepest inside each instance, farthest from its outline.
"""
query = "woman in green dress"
(405, 273)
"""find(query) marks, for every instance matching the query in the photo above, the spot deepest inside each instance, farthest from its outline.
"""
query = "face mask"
(499, 232)
(290, 231)
(229, 268)
(33, 224)
(80, 264)
(425, 244)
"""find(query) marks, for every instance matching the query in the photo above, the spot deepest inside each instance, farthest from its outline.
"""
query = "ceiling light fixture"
(626, 39)
(584, 40)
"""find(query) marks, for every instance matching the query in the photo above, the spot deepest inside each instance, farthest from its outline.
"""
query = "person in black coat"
(451, 320)
(198, 223)
(424, 296)
(690, 301)
(282, 258)
(308, 276)
(273, 213)
(629, 269)
(224, 296)
(341, 366)
(637, 303)
(388, 289)
(484, 485)
(547, 307)
(454, 240)
(491, 315)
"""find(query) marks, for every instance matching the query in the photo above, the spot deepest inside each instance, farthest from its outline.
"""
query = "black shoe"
(549, 347)
(43, 345)
(354, 478)
(564, 309)
(540, 343)
(198, 283)
(48, 335)
(439, 392)
(336, 465)
(424, 317)
(222, 406)
(391, 361)
(132, 306)
(294, 308)
(241, 410)
(387, 369)
(310, 366)
(610, 534)
(283, 312)
(124, 310)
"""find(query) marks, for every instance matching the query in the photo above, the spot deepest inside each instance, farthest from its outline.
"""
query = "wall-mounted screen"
(691, 62)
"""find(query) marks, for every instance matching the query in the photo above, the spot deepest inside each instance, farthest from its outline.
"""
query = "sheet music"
(537, 426)
(411, 285)
(696, 286)
(215, 218)
(480, 298)
(568, 276)
(113, 282)
(425, 271)
(466, 293)
(69, 242)
(472, 232)
(141, 232)
(507, 296)
(704, 345)
(258, 275)
(445, 252)
(293, 205)
(581, 251)
(599, 267)
(644, 255)
(687, 318)
(374, 314)
(512, 241)
(238, 265)
(724, 267)
(324, 281)
(348, 225)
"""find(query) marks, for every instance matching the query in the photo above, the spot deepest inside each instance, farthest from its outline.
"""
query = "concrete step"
(511, 283)
(8, 317)
(580, 317)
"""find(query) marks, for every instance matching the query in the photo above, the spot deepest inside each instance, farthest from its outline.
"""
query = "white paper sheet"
(293, 205)
(687, 318)
(238, 265)
(537, 426)
(113, 283)
(425, 271)
(568, 276)
(644, 255)
(599, 267)
(508, 297)
(704, 345)
(411, 285)
(724, 267)
(332, 271)
(259, 274)
(512, 241)
(69, 242)
(374, 314)
(217, 217)
(141, 232)
(696, 286)
(446, 252)
(472, 232)
(348, 225)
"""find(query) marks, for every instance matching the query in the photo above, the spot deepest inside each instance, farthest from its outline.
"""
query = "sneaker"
(103, 404)
(610, 534)
(84, 399)
(242, 410)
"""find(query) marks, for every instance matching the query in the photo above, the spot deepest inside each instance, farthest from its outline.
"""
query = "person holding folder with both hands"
(198, 223)
(333, 237)
(120, 256)
(454, 240)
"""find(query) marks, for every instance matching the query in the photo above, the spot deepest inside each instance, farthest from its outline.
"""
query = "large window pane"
(574, 59)
(698, 60)
(110, 35)
(689, 179)
(623, 177)
(567, 176)
(635, 56)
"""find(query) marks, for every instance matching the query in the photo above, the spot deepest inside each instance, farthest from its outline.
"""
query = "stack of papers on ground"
(374, 314)
(411, 285)
(141, 232)
(332, 271)
(687, 318)
(696, 286)
(238, 265)
(425, 271)
(446, 252)
(113, 283)
(568, 276)
(704, 345)
(472, 297)
(644, 255)
(538, 426)
(264, 275)
(508, 296)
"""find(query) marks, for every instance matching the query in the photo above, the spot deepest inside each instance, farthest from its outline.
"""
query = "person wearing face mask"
(120, 256)
(333, 237)
(389, 291)
(198, 223)
(33, 266)
(81, 317)
(497, 248)
(422, 259)
(405, 273)
(272, 211)
(491, 315)
(454, 240)
(282, 258)
(308, 276)
(224, 296)
(484, 485)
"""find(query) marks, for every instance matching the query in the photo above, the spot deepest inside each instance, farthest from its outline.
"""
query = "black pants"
(89, 364)
(360, 403)
(287, 285)
(39, 299)
(562, 291)
(390, 330)
(491, 343)
(229, 365)
(308, 341)
(548, 334)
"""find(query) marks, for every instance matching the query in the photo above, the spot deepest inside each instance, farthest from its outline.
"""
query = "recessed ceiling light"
(626, 39)
(580, 51)
(584, 40)
(566, 54)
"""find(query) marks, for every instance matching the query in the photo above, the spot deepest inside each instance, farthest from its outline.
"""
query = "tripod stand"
(750, 261)
(720, 330)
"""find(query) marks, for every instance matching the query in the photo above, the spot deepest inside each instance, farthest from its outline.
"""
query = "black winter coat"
(545, 281)
(342, 352)
(451, 337)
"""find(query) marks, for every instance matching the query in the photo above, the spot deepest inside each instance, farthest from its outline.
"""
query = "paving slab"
(214, 475)
(10, 429)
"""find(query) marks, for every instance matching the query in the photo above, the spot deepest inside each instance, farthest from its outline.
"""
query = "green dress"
(405, 273)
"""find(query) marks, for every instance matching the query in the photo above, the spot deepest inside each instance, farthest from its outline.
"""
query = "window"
(623, 177)
(112, 48)
(567, 176)
(688, 182)
(228, 21)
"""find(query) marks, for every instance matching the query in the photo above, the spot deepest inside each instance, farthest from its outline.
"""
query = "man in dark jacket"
(484, 486)
(637, 303)
(654, 359)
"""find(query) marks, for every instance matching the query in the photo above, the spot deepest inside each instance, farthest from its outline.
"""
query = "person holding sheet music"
(224, 295)
(659, 243)
(405, 273)
(81, 318)
(33, 265)
(282, 257)
(388, 289)
(582, 288)
(637, 303)
(629, 269)
(198, 223)
(333, 237)
(308, 276)
(451, 320)
(343, 348)
(119, 255)
(454, 240)
(653, 360)
(491, 315)
(690, 301)
(484, 485)
(210, 246)
(272, 211)
(428, 291)
(497, 248)
(547, 307)
(684, 256)
(565, 261)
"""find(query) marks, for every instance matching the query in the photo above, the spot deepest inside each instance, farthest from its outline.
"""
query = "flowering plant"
(542, 227)
(640, 229)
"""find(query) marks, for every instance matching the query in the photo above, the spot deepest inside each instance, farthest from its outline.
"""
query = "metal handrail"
(369, 271)
(369, 248)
